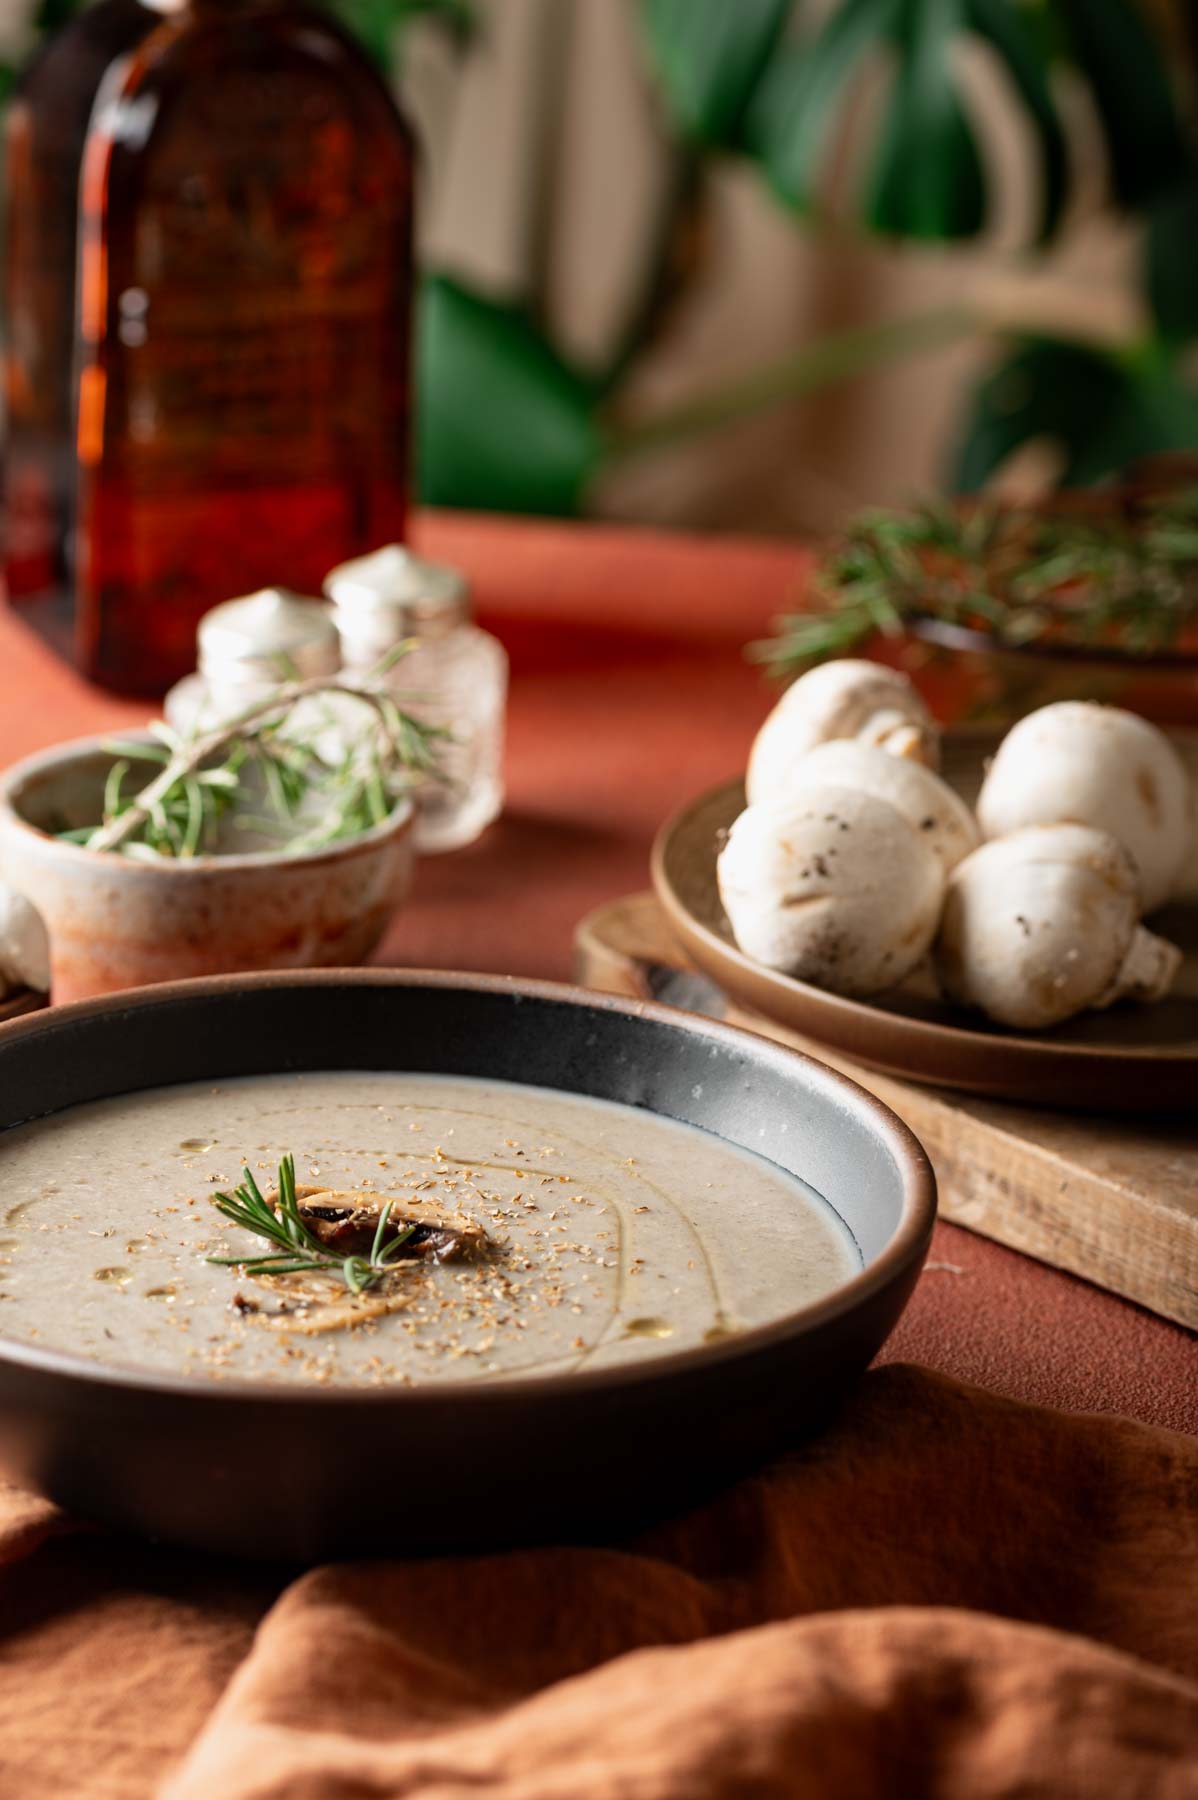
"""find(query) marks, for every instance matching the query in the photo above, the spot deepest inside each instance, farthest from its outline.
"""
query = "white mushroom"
(834, 887)
(1095, 765)
(848, 698)
(24, 946)
(925, 801)
(1041, 924)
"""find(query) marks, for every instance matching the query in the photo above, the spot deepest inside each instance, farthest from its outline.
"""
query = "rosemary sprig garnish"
(299, 1250)
(1124, 579)
(316, 792)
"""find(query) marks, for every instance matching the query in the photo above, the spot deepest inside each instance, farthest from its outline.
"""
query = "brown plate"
(1129, 1059)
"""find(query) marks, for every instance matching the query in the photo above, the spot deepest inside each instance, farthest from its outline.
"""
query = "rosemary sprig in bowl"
(260, 772)
(297, 1249)
(1120, 579)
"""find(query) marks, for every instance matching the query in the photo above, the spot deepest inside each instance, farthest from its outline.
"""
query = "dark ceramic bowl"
(257, 1469)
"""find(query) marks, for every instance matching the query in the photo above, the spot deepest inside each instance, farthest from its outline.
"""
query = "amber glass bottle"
(45, 128)
(245, 283)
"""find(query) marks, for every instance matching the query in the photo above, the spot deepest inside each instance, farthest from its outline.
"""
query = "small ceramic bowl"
(118, 923)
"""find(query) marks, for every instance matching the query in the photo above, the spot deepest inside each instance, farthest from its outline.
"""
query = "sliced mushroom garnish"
(310, 1314)
(347, 1223)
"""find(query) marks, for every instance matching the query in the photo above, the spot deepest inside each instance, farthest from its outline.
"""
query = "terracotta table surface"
(629, 695)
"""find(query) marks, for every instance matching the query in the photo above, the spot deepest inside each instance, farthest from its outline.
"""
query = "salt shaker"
(247, 647)
(455, 677)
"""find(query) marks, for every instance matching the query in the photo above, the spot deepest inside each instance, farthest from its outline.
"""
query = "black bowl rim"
(903, 1252)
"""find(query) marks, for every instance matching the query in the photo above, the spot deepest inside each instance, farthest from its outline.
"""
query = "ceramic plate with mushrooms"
(855, 865)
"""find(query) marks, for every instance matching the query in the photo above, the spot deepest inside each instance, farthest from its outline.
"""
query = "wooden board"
(1115, 1201)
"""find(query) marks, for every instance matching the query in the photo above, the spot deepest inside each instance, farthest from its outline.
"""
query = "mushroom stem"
(843, 699)
(1146, 972)
(899, 737)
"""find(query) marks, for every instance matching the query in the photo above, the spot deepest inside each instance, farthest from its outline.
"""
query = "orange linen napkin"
(945, 1594)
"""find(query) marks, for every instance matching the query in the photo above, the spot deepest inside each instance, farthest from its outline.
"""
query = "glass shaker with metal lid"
(455, 677)
(247, 647)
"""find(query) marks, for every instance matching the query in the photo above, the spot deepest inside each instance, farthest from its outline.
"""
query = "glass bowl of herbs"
(998, 609)
(281, 839)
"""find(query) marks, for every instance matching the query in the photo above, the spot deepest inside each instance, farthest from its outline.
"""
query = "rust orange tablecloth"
(949, 1593)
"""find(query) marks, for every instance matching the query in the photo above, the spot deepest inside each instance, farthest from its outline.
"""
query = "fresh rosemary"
(1125, 579)
(298, 1249)
(258, 772)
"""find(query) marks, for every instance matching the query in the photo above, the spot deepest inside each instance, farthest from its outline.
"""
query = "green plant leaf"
(708, 56)
(927, 179)
(1024, 55)
(1117, 52)
(1102, 411)
(1171, 258)
(796, 101)
(1045, 389)
(504, 422)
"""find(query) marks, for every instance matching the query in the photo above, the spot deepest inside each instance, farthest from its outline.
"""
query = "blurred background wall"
(550, 159)
(626, 175)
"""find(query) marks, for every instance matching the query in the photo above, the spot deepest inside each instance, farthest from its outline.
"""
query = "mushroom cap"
(833, 887)
(847, 698)
(1037, 924)
(24, 945)
(1088, 764)
(925, 801)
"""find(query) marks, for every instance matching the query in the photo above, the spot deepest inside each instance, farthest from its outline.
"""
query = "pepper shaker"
(455, 677)
(247, 647)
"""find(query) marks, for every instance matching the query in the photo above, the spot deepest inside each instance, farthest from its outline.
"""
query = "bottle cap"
(391, 594)
(273, 635)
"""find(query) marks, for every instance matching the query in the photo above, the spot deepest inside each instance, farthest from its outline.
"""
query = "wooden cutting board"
(1113, 1200)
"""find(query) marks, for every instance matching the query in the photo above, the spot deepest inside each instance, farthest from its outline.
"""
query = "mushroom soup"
(440, 1228)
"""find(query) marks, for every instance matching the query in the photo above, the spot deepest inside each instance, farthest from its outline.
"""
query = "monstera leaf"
(1024, 55)
(800, 95)
(1111, 43)
(504, 422)
(926, 178)
(734, 77)
(1171, 261)
(708, 56)
(1101, 411)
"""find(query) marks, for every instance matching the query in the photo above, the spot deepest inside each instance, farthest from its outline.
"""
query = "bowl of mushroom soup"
(555, 1262)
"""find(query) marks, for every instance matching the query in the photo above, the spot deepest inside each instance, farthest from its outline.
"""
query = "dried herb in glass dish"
(1117, 579)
